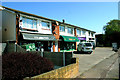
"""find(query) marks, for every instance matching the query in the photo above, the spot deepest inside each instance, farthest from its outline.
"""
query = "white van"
(85, 47)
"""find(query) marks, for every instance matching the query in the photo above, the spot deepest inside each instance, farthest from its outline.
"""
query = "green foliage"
(16, 66)
(100, 38)
(112, 26)
(112, 31)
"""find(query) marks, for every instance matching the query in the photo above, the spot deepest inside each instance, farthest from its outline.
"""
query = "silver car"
(85, 47)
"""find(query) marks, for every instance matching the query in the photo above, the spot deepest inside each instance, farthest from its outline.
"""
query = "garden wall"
(69, 71)
(57, 57)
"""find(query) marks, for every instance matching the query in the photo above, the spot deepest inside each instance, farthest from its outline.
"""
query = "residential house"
(34, 32)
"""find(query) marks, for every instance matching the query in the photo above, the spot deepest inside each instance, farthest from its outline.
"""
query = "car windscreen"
(88, 44)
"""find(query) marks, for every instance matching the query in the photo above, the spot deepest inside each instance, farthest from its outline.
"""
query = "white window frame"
(83, 32)
(79, 32)
(61, 28)
(28, 17)
(71, 30)
(92, 34)
(42, 20)
(89, 33)
(32, 23)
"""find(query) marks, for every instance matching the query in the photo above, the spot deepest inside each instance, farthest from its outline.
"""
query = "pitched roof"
(17, 11)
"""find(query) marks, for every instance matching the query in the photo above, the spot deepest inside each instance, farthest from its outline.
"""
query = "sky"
(60, 0)
(89, 15)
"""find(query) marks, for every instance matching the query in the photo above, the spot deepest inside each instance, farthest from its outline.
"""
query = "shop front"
(82, 39)
(34, 42)
(68, 43)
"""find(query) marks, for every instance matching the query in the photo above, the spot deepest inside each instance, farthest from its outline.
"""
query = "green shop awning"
(40, 37)
(70, 38)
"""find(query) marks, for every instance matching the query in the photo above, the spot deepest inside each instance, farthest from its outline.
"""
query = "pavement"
(114, 70)
(102, 63)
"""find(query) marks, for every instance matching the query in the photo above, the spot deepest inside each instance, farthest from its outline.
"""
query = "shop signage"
(38, 37)
(71, 39)
(82, 38)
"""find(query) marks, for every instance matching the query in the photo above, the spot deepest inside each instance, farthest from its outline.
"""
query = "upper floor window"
(62, 28)
(89, 33)
(83, 32)
(92, 34)
(70, 30)
(45, 24)
(78, 32)
(29, 23)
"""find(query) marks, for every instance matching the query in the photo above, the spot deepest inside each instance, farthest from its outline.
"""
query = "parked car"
(93, 43)
(85, 47)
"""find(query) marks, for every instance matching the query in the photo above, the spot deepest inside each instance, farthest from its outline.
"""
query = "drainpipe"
(75, 36)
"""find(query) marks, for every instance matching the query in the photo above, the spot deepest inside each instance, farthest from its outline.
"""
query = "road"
(102, 63)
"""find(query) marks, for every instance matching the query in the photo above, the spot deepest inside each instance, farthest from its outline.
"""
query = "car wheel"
(89, 52)
(81, 50)
(115, 50)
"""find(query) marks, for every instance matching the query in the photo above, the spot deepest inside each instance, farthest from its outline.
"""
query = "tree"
(112, 31)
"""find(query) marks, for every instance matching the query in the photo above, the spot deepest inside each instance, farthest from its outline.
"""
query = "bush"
(18, 65)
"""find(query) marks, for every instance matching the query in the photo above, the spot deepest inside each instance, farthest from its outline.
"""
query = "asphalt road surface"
(102, 63)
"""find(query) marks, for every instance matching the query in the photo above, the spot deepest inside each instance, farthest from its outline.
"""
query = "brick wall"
(70, 71)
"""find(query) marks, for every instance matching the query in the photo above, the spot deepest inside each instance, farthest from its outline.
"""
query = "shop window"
(45, 24)
(69, 46)
(70, 30)
(83, 32)
(29, 23)
(62, 28)
(78, 32)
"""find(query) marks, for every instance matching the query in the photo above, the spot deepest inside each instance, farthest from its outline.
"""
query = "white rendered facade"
(40, 26)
